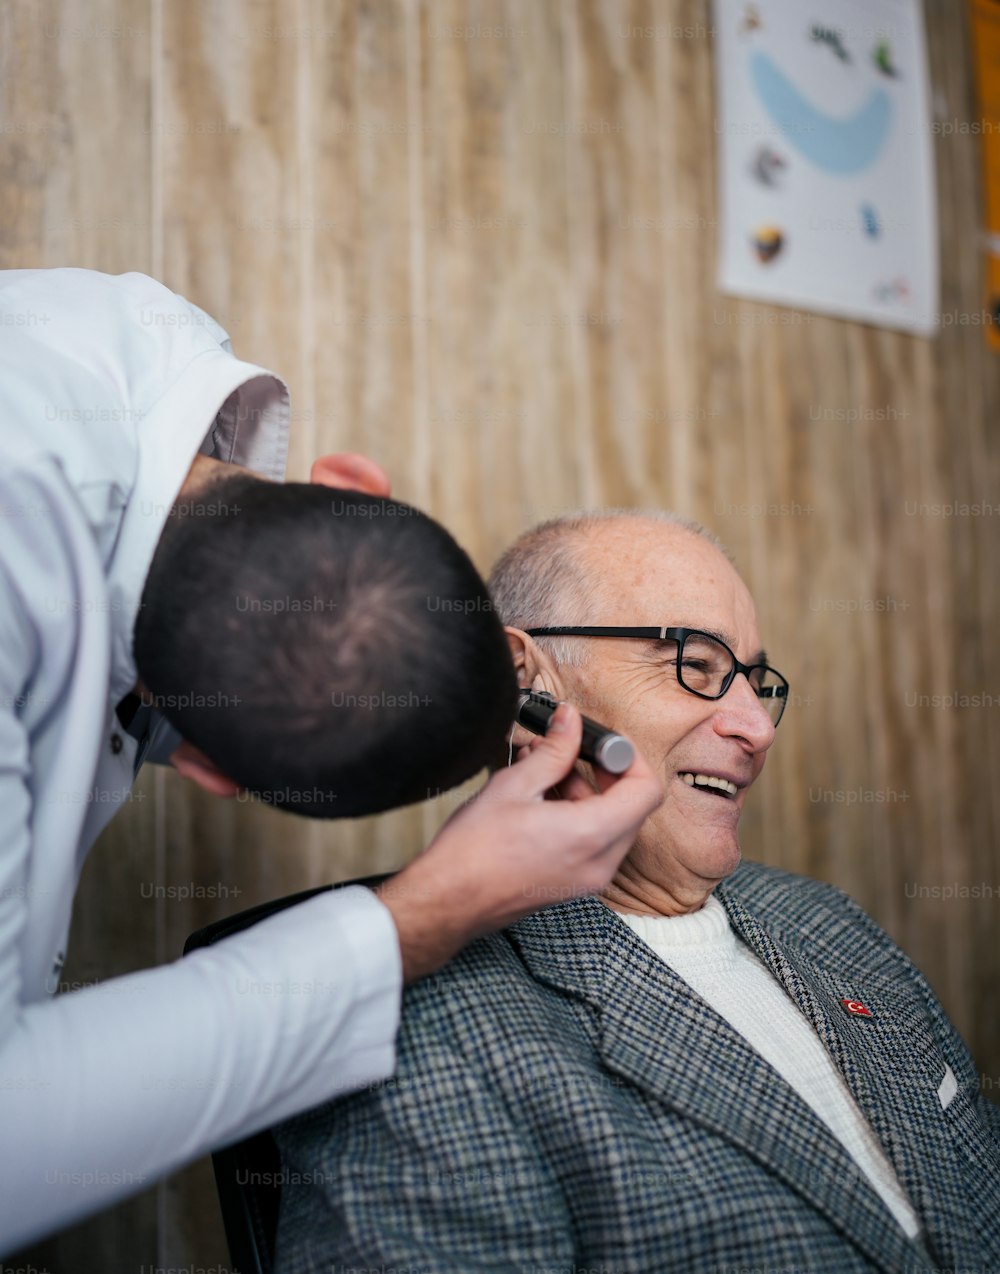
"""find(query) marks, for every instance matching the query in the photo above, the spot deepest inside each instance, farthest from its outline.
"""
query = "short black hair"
(334, 653)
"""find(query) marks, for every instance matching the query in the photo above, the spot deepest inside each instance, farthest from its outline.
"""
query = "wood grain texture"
(478, 238)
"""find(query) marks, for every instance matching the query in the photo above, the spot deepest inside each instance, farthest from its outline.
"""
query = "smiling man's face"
(648, 573)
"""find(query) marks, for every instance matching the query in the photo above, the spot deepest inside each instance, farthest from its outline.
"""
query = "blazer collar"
(651, 1028)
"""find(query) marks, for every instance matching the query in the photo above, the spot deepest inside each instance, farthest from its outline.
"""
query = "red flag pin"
(856, 1008)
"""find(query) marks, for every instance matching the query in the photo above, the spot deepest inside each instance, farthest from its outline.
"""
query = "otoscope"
(599, 745)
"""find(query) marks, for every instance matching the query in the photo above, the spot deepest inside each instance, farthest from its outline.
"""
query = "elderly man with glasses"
(713, 1066)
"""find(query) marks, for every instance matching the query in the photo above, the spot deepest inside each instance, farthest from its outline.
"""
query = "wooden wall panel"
(478, 238)
(494, 242)
(613, 150)
(75, 93)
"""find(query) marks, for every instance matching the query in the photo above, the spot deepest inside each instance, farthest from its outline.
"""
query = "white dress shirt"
(109, 386)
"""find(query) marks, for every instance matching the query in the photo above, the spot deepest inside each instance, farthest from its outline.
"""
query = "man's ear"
(535, 671)
(195, 765)
(348, 469)
(533, 667)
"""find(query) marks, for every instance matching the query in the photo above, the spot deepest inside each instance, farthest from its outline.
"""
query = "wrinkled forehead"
(645, 573)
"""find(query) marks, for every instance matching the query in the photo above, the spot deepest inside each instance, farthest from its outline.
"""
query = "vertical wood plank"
(613, 144)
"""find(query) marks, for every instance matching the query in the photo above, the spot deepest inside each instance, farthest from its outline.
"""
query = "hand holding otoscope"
(510, 850)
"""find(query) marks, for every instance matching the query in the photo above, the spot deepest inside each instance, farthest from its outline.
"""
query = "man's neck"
(632, 894)
(204, 471)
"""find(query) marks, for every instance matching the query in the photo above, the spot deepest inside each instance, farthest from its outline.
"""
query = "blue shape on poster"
(841, 146)
(869, 221)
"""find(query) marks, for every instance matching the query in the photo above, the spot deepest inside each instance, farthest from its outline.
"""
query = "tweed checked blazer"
(565, 1102)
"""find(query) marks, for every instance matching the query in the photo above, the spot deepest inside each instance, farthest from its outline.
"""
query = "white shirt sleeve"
(103, 1090)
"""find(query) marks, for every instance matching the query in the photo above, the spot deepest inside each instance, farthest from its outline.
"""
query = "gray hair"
(541, 580)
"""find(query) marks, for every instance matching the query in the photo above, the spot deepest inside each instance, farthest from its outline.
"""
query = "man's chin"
(711, 852)
(718, 859)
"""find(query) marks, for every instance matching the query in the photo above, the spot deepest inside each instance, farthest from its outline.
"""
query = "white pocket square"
(948, 1087)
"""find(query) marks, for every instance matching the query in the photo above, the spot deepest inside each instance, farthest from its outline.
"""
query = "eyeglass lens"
(705, 665)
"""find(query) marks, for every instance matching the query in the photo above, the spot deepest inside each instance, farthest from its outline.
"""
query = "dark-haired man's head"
(334, 652)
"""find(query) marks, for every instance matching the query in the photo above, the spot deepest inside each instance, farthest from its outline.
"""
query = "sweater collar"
(708, 926)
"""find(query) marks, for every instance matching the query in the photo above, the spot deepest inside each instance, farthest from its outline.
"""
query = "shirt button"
(57, 968)
(116, 743)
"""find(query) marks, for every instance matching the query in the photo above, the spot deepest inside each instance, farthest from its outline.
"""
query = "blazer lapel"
(893, 1067)
(656, 1032)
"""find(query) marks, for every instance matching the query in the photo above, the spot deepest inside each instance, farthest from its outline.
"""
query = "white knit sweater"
(703, 949)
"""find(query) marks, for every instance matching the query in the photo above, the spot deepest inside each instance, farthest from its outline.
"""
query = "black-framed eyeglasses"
(705, 665)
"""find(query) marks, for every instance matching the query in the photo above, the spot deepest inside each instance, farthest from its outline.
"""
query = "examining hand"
(509, 851)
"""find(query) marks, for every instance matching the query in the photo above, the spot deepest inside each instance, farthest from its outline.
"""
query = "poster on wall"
(826, 180)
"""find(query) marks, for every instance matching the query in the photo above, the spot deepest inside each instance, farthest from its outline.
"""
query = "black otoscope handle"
(599, 745)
